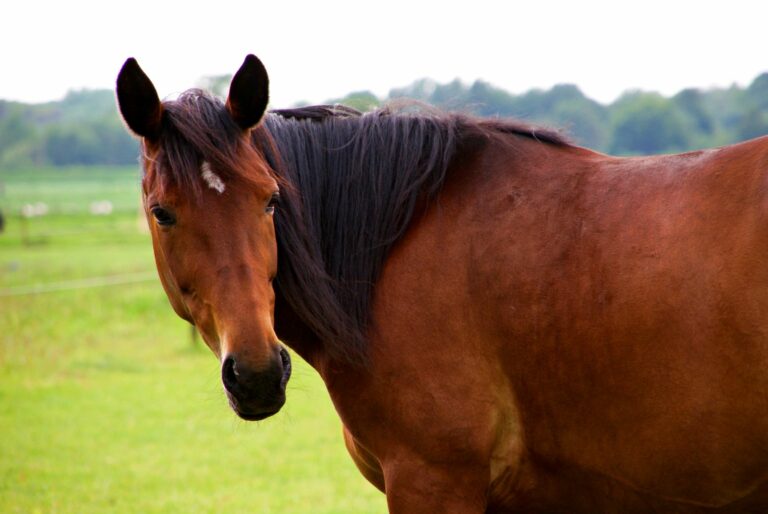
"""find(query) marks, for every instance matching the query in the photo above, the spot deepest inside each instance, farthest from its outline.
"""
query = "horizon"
(464, 83)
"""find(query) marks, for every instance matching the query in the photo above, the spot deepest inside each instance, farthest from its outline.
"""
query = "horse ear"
(249, 93)
(138, 100)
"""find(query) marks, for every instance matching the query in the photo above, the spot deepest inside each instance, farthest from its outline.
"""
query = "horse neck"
(336, 224)
(292, 330)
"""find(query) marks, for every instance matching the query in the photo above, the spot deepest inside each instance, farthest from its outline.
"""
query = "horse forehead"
(211, 178)
(160, 182)
(258, 178)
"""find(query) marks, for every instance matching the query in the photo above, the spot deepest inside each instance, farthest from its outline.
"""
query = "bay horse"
(505, 322)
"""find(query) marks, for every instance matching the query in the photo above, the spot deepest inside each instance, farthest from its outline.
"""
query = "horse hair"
(351, 183)
(355, 182)
(196, 127)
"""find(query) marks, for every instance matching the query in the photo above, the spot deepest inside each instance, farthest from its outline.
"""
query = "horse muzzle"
(256, 394)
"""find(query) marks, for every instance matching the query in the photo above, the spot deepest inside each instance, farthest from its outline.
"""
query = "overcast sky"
(322, 49)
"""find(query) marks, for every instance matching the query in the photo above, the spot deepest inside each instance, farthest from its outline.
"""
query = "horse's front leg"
(417, 487)
(365, 461)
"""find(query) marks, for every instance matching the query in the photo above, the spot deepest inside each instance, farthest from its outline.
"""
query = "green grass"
(70, 190)
(106, 405)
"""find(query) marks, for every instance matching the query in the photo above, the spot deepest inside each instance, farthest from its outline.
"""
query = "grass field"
(108, 406)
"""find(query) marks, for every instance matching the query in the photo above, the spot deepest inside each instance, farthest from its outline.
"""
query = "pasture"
(106, 405)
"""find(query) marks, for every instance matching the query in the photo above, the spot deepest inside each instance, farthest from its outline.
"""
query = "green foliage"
(562, 106)
(637, 123)
(647, 123)
(485, 100)
(754, 118)
(362, 101)
(691, 103)
(85, 128)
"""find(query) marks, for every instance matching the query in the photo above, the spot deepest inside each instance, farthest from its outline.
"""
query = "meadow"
(107, 404)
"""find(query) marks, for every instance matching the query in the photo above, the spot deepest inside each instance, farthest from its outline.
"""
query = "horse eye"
(273, 202)
(163, 216)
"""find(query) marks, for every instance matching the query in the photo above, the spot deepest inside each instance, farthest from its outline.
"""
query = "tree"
(84, 127)
(361, 100)
(419, 90)
(13, 126)
(691, 103)
(754, 119)
(647, 123)
(484, 99)
(586, 123)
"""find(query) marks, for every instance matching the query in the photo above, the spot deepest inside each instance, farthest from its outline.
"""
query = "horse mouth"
(255, 414)
(255, 417)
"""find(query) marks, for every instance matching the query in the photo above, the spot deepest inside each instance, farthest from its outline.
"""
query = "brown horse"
(505, 322)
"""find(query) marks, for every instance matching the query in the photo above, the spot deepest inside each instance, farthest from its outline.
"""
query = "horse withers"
(504, 321)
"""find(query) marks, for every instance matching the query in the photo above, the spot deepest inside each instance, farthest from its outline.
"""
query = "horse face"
(214, 245)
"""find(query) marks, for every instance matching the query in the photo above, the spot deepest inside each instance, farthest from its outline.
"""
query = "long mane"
(353, 183)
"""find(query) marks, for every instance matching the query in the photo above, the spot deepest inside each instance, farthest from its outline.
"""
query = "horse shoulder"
(437, 393)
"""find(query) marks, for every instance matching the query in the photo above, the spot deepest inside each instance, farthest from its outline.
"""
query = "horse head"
(209, 197)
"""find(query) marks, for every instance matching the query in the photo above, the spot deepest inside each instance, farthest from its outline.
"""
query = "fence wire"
(83, 283)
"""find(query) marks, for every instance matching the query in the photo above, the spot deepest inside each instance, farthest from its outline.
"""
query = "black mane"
(352, 184)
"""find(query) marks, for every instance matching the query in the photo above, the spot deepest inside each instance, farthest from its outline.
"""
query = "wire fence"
(83, 283)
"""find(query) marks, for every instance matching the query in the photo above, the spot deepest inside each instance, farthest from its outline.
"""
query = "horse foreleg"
(414, 487)
(419, 488)
(365, 461)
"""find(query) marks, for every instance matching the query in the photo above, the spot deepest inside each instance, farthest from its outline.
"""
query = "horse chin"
(252, 413)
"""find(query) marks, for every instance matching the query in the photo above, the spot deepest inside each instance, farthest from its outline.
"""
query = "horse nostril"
(285, 358)
(229, 374)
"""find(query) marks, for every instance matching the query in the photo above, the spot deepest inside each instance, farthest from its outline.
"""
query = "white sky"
(316, 50)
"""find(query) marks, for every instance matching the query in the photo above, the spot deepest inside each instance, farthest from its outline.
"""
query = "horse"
(505, 321)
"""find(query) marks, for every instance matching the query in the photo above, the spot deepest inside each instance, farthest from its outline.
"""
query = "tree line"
(637, 123)
(84, 128)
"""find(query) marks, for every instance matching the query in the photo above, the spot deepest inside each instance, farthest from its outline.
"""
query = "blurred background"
(107, 401)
